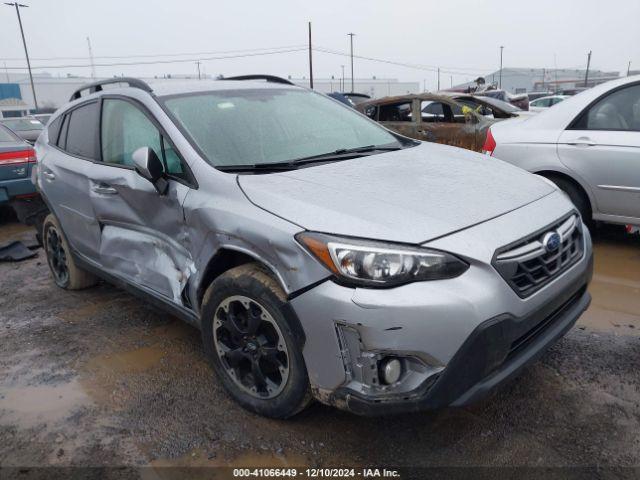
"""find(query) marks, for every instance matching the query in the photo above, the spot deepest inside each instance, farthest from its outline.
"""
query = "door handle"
(49, 175)
(103, 189)
(582, 142)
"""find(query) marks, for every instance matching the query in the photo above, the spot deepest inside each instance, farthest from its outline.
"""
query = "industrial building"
(521, 80)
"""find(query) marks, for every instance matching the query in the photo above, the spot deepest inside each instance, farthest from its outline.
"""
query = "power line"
(156, 55)
(430, 68)
(156, 62)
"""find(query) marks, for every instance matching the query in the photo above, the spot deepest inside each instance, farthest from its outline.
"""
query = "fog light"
(390, 370)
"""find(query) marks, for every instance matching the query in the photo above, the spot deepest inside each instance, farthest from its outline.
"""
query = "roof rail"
(97, 86)
(268, 78)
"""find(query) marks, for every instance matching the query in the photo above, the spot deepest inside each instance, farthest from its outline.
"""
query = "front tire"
(63, 268)
(251, 345)
(577, 196)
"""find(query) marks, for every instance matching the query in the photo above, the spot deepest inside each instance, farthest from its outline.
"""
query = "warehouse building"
(522, 80)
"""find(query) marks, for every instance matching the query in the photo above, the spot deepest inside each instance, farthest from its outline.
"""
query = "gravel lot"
(100, 378)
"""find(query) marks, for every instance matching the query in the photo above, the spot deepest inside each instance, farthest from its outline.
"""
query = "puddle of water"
(31, 406)
(615, 290)
(133, 361)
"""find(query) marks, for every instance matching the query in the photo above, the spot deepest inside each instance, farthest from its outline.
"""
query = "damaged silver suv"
(321, 255)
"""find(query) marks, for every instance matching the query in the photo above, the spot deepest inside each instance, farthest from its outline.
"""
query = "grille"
(528, 266)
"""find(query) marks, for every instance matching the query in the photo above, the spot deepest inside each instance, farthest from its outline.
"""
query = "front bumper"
(460, 338)
(496, 351)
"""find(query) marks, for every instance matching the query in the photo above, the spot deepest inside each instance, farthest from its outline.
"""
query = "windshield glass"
(23, 124)
(260, 126)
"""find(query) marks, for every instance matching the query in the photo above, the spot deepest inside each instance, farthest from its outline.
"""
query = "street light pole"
(26, 53)
(500, 80)
(351, 36)
(586, 73)
(310, 60)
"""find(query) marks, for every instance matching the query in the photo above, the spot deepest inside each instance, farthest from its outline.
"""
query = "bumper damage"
(495, 352)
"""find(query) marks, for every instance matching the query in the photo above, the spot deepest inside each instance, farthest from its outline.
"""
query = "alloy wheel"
(251, 347)
(57, 256)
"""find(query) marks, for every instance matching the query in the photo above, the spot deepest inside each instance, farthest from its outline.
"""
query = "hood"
(411, 195)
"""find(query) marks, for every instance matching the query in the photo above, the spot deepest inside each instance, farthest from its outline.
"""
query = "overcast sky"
(459, 36)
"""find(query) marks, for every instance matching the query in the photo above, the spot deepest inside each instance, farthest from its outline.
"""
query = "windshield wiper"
(339, 154)
(344, 153)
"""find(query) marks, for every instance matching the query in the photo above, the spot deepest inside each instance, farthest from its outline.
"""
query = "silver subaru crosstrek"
(321, 255)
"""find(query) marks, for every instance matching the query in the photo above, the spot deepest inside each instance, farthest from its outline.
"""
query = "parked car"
(589, 145)
(429, 117)
(357, 98)
(535, 95)
(543, 103)
(17, 158)
(487, 106)
(520, 100)
(321, 255)
(27, 128)
(43, 117)
(342, 99)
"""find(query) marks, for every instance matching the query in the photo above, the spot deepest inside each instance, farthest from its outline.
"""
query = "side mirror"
(149, 167)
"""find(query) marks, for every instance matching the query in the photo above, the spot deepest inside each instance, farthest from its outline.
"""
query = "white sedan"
(542, 103)
(588, 145)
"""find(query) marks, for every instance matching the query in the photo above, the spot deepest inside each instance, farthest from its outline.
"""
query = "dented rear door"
(143, 235)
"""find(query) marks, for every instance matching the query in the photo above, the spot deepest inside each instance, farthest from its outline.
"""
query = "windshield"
(23, 124)
(263, 126)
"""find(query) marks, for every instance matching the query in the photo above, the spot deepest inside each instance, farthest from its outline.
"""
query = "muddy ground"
(100, 378)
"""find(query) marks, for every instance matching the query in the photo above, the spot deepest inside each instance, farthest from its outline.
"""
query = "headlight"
(379, 264)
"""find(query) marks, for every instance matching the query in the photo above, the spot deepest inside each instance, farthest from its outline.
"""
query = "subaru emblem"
(551, 241)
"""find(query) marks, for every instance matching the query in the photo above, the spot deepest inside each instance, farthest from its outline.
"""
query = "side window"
(82, 135)
(619, 110)
(371, 111)
(125, 128)
(62, 138)
(439, 112)
(54, 130)
(396, 112)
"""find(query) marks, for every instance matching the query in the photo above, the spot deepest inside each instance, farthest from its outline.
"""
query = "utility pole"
(93, 67)
(544, 73)
(629, 68)
(198, 65)
(342, 83)
(451, 81)
(586, 73)
(26, 53)
(500, 80)
(438, 79)
(351, 36)
(310, 60)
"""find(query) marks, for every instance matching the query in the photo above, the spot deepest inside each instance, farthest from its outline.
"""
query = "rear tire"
(63, 267)
(577, 196)
(250, 344)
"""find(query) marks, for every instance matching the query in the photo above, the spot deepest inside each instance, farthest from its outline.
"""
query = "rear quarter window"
(82, 134)
(54, 130)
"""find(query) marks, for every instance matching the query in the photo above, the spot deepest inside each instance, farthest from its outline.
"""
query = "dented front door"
(143, 235)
